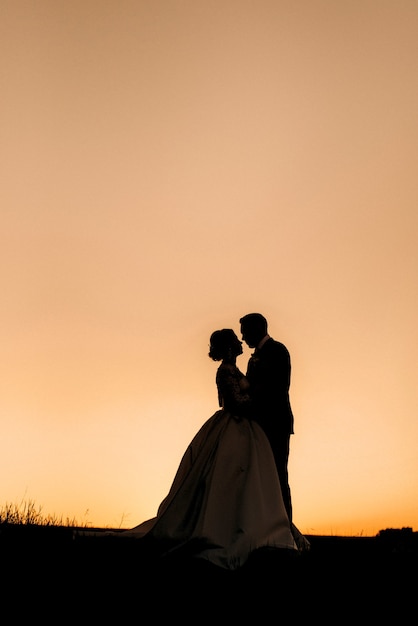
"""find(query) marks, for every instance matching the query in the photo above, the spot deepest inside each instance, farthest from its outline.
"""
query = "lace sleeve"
(233, 390)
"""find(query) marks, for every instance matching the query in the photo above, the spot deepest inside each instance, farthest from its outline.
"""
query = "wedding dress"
(225, 501)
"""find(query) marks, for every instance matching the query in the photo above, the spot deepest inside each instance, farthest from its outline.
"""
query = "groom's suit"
(268, 373)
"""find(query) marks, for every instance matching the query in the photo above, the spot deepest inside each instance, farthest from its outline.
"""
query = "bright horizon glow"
(168, 167)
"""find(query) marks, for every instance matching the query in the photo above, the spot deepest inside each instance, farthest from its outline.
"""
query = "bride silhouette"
(225, 501)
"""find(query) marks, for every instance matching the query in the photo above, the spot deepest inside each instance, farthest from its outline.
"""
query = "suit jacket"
(268, 373)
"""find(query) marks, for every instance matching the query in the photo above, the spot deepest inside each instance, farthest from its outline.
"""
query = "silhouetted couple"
(230, 495)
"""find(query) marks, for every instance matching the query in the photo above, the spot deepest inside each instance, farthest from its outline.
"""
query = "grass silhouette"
(27, 513)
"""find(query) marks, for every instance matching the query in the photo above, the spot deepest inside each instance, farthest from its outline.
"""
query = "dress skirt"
(225, 500)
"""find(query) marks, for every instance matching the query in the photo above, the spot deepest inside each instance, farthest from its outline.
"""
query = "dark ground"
(49, 575)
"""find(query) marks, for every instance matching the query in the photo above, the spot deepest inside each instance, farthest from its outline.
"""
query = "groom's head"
(253, 328)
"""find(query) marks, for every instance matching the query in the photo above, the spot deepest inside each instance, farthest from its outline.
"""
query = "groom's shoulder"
(272, 346)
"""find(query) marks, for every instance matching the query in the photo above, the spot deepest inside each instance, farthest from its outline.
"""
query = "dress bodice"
(233, 388)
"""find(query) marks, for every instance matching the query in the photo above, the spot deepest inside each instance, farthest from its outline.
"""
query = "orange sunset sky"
(168, 166)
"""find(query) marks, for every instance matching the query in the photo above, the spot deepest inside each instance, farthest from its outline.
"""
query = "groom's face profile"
(249, 337)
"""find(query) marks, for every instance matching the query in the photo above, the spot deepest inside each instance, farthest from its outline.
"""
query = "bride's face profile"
(224, 344)
(236, 347)
(231, 349)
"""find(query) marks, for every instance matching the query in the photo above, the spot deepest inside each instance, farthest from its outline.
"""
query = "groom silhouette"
(268, 373)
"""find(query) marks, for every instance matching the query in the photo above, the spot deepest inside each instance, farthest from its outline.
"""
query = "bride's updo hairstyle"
(222, 342)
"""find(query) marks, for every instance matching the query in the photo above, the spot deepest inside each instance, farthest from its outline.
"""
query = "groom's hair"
(254, 321)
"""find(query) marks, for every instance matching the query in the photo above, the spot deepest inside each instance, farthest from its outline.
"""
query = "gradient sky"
(168, 166)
